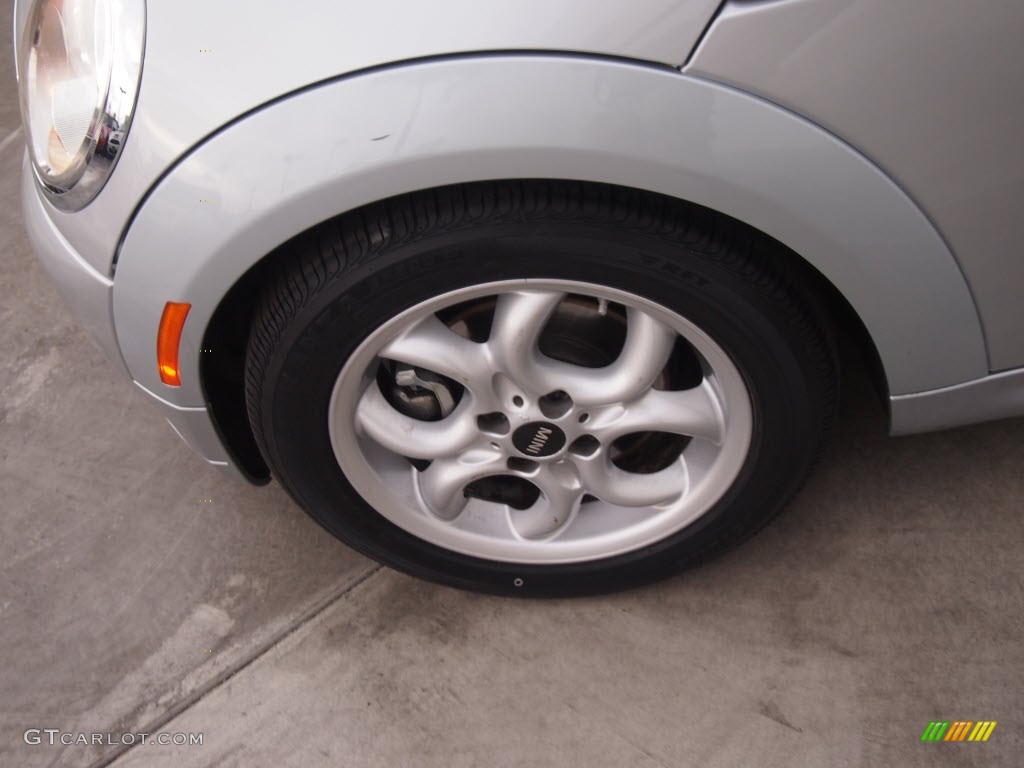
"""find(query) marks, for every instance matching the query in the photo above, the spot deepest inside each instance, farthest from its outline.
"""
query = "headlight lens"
(79, 68)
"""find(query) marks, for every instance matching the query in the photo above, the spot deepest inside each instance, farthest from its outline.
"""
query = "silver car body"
(867, 136)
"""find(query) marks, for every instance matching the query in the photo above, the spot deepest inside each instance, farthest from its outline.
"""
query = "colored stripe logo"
(958, 730)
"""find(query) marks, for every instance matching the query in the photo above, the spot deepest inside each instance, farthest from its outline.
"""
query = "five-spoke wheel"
(521, 456)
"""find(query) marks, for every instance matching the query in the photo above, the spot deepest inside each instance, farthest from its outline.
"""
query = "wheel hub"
(538, 439)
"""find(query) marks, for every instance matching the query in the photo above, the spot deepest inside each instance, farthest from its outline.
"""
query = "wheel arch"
(222, 374)
(206, 230)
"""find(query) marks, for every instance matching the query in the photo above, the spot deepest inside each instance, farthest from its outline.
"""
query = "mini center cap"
(538, 439)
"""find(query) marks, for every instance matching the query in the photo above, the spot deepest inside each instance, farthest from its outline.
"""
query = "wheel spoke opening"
(601, 352)
(417, 392)
(526, 466)
(554, 405)
(645, 453)
(585, 332)
(494, 423)
(584, 445)
(470, 319)
(684, 369)
(515, 492)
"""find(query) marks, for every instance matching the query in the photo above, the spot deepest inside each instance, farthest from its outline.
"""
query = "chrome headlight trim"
(115, 59)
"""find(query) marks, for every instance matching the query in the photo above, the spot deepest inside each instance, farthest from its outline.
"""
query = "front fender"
(343, 144)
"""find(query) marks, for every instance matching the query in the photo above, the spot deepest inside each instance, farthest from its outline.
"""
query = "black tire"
(334, 285)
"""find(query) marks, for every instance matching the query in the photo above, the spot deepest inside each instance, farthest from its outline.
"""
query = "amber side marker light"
(172, 321)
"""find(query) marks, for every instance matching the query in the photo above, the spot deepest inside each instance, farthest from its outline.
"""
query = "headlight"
(79, 65)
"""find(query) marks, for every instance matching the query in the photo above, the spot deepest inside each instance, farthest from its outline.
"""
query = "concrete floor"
(888, 595)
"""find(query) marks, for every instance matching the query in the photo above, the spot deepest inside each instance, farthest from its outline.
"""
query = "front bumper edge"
(196, 429)
(89, 296)
(87, 293)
